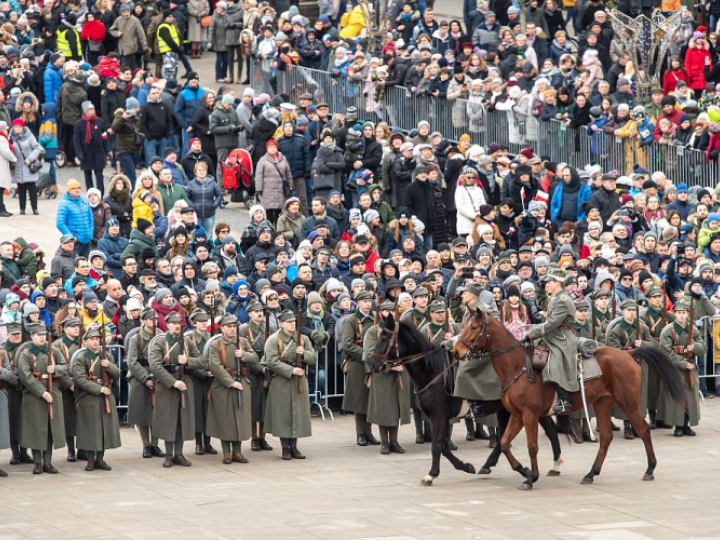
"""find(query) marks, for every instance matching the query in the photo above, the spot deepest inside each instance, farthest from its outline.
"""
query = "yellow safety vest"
(163, 47)
(63, 44)
(670, 5)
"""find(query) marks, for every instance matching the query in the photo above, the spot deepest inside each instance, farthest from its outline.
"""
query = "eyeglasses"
(131, 264)
(224, 230)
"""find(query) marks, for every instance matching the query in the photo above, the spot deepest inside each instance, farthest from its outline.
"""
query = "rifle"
(592, 320)
(181, 346)
(106, 381)
(212, 317)
(154, 332)
(638, 325)
(691, 331)
(614, 305)
(238, 377)
(267, 323)
(51, 362)
(664, 311)
(298, 343)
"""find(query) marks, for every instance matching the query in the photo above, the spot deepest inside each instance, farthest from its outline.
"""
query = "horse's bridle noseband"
(399, 360)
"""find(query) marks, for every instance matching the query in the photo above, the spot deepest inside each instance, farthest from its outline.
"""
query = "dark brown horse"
(527, 401)
(401, 344)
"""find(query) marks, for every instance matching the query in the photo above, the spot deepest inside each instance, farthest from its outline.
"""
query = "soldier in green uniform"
(97, 420)
(8, 382)
(357, 393)
(174, 420)
(9, 360)
(39, 432)
(141, 406)
(65, 347)
(582, 321)
(622, 334)
(674, 341)
(656, 317)
(202, 381)
(601, 314)
(288, 411)
(389, 400)
(229, 411)
(255, 331)
(558, 335)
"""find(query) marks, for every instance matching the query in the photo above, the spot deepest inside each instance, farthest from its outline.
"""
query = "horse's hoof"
(525, 487)
(470, 468)
(427, 481)
(553, 472)
(484, 470)
(648, 477)
(587, 480)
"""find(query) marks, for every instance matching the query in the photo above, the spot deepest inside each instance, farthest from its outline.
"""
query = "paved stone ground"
(345, 492)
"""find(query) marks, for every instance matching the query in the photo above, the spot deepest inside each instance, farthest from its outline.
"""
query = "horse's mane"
(418, 343)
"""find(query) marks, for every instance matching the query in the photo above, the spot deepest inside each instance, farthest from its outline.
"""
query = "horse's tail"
(667, 372)
(567, 427)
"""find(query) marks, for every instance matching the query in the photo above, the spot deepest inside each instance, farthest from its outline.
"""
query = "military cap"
(388, 305)
(37, 328)
(286, 316)
(474, 288)
(148, 313)
(653, 291)
(555, 274)
(228, 319)
(14, 328)
(174, 317)
(363, 295)
(93, 333)
(681, 306)
(199, 315)
(420, 291)
(570, 280)
(71, 321)
(628, 304)
(582, 304)
(438, 307)
(254, 306)
(600, 293)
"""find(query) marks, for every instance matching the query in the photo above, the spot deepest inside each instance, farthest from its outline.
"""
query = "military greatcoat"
(14, 388)
(32, 366)
(164, 353)
(97, 429)
(228, 420)
(66, 347)
(202, 382)
(654, 319)
(255, 334)
(140, 407)
(357, 393)
(288, 412)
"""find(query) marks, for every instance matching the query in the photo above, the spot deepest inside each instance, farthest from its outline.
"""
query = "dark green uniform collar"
(70, 342)
(38, 350)
(679, 329)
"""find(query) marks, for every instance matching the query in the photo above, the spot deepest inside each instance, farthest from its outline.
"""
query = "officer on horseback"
(558, 334)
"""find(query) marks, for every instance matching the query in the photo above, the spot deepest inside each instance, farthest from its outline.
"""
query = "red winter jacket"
(695, 64)
(93, 30)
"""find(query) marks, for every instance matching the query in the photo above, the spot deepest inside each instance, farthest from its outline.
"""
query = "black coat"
(297, 152)
(372, 157)
(92, 155)
(606, 201)
(262, 133)
(516, 194)
(420, 198)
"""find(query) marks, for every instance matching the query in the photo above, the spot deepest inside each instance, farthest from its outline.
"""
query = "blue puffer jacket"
(52, 81)
(113, 248)
(556, 203)
(205, 197)
(186, 104)
(297, 152)
(75, 217)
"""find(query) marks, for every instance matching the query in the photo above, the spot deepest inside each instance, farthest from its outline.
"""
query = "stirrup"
(562, 407)
(477, 408)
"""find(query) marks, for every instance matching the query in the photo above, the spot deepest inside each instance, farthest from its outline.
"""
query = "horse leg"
(640, 425)
(530, 422)
(444, 438)
(436, 449)
(503, 417)
(603, 409)
(511, 431)
(551, 430)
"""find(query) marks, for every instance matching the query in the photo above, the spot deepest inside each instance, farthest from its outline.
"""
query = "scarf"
(4, 136)
(92, 312)
(292, 215)
(330, 146)
(88, 129)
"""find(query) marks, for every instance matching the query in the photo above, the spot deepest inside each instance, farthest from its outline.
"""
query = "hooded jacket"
(196, 284)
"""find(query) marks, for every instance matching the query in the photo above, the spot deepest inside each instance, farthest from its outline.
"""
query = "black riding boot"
(477, 408)
(563, 405)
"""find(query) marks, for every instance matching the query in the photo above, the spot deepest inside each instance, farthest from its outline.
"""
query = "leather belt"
(40, 376)
(680, 349)
(142, 362)
(171, 368)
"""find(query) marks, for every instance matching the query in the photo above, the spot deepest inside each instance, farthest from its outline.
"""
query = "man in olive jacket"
(40, 433)
(288, 411)
(171, 355)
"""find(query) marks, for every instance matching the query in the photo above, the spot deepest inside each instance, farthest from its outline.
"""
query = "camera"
(468, 273)
(624, 212)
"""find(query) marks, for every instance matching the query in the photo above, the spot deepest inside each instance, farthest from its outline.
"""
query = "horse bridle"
(399, 360)
(484, 326)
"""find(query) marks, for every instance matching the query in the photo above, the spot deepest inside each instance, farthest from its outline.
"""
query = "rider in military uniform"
(142, 385)
(601, 314)
(288, 411)
(389, 400)
(674, 341)
(174, 420)
(622, 334)
(656, 317)
(558, 334)
(357, 393)
(97, 419)
(66, 347)
(230, 404)
(40, 432)
(9, 360)
(202, 382)
(255, 331)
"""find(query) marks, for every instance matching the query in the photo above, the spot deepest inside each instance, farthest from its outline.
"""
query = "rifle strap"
(222, 351)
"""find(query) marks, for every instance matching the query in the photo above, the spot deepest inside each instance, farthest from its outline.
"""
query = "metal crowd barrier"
(117, 352)
(328, 381)
(402, 109)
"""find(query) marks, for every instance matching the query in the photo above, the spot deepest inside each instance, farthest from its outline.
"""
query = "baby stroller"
(43, 184)
(237, 175)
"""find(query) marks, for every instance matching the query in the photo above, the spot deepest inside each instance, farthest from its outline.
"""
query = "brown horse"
(528, 400)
